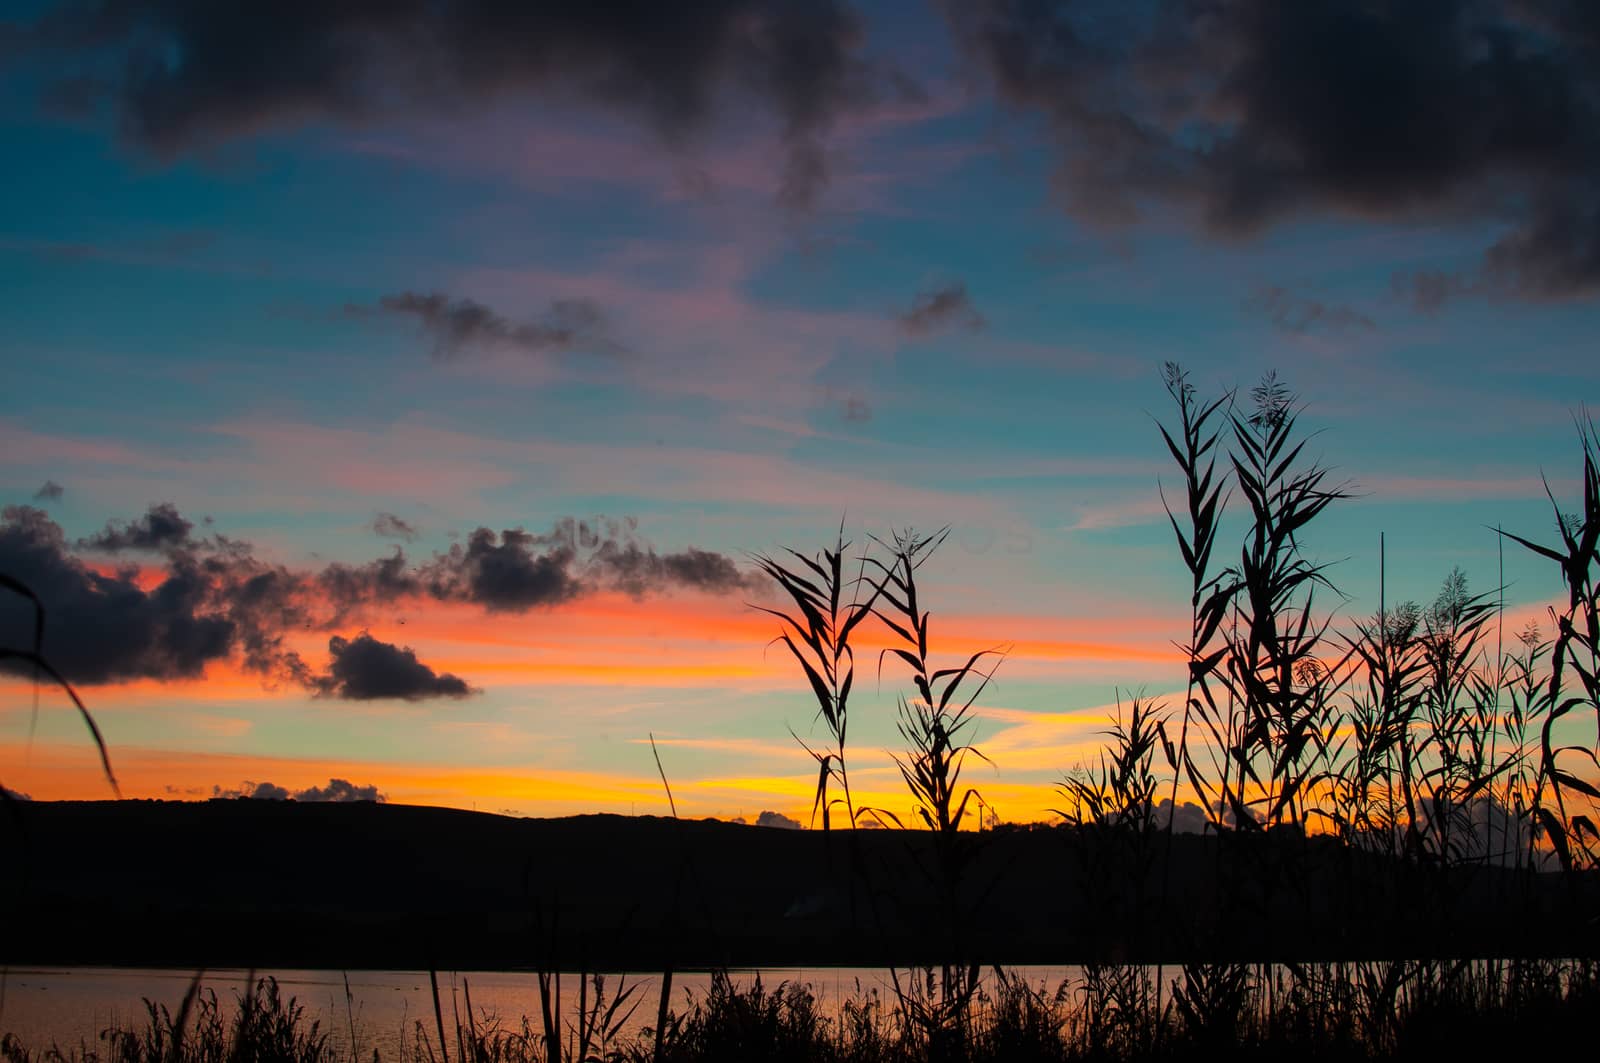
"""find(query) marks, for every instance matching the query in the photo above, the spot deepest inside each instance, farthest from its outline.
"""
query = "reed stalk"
(1576, 648)
(828, 607)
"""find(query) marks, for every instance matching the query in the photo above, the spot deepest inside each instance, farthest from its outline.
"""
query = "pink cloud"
(738, 162)
(394, 460)
(423, 458)
(699, 333)
(1144, 507)
(1390, 487)
(20, 446)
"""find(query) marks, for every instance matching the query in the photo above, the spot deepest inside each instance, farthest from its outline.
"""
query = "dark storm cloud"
(511, 572)
(367, 669)
(940, 308)
(377, 582)
(518, 570)
(389, 526)
(458, 327)
(264, 601)
(101, 628)
(49, 492)
(337, 790)
(181, 76)
(211, 599)
(701, 569)
(1288, 312)
(1246, 113)
(161, 528)
(640, 570)
(610, 553)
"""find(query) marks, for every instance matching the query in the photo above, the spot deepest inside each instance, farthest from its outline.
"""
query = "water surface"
(70, 1006)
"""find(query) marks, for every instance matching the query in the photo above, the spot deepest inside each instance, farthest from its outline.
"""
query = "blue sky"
(215, 296)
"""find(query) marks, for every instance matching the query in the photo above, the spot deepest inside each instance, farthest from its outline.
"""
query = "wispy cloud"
(389, 526)
(458, 327)
(1298, 315)
(938, 309)
(397, 458)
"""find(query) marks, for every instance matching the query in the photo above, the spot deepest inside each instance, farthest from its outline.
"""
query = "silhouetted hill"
(266, 883)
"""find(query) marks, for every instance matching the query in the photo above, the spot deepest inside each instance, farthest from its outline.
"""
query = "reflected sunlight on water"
(69, 1006)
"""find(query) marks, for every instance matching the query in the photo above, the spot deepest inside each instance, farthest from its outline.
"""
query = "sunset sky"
(395, 392)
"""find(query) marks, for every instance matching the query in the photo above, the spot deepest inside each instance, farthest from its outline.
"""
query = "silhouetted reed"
(264, 1028)
(828, 608)
(1576, 648)
(935, 724)
(1389, 1010)
(40, 665)
(1411, 739)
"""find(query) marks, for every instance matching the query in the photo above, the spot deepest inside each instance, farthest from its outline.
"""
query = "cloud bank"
(337, 791)
(181, 77)
(161, 528)
(1247, 114)
(202, 599)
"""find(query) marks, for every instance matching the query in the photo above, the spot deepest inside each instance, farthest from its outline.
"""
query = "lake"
(72, 1005)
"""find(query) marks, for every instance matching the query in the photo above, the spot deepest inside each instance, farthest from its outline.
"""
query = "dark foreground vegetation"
(1393, 1010)
(1384, 800)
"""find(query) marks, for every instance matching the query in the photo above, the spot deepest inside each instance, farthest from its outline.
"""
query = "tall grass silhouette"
(1412, 736)
(828, 607)
(1576, 647)
(934, 723)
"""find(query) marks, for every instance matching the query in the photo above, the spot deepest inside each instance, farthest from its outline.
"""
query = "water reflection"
(70, 1006)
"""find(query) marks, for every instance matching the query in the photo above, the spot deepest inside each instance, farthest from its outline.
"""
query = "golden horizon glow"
(68, 772)
(684, 642)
